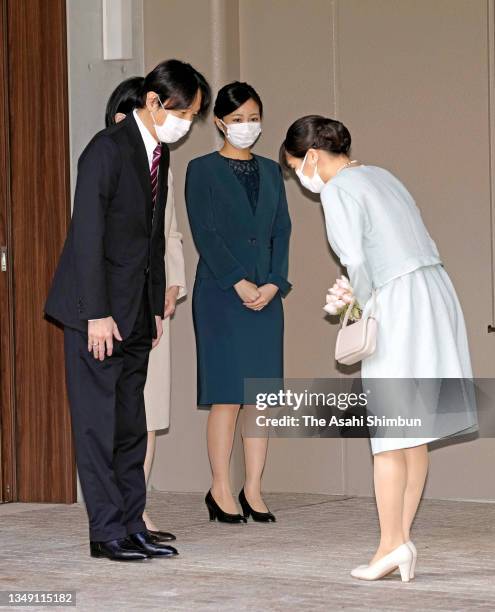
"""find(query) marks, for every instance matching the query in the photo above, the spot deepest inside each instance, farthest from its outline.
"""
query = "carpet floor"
(302, 562)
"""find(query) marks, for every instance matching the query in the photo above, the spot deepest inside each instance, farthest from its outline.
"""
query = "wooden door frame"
(8, 488)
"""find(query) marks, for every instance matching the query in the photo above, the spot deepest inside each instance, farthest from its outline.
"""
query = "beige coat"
(157, 389)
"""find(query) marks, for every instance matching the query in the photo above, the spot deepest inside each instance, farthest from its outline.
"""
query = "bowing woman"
(241, 227)
(375, 228)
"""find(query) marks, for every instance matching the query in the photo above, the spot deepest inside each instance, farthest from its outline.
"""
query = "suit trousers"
(109, 424)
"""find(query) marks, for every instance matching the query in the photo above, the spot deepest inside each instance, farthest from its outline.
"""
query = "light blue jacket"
(375, 228)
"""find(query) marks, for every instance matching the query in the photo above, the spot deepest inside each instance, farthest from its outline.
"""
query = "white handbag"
(356, 341)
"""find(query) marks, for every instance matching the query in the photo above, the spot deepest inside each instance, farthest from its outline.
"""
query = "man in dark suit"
(109, 292)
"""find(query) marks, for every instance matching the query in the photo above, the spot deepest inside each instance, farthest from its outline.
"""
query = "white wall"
(91, 79)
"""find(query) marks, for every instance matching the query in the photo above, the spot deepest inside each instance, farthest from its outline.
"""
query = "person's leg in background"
(148, 464)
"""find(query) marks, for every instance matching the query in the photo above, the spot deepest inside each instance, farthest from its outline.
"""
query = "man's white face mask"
(173, 128)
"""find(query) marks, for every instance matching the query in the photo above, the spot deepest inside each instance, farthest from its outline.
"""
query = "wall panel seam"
(491, 140)
(335, 102)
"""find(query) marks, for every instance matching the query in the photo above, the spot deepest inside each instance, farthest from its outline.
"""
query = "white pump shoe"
(402, 557)
(415, 557)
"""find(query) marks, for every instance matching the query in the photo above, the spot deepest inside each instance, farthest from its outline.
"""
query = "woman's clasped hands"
(254, 297)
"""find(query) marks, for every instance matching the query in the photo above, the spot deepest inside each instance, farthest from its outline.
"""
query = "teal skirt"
(234, 343)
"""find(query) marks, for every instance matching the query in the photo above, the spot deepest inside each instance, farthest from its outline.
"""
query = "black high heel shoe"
(217, 513)
(261, 517)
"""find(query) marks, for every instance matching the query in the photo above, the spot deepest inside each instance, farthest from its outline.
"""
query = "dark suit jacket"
(234, 243)
(112, 242)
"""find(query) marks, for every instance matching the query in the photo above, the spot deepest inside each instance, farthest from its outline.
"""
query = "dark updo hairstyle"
(315, 132)
(124, 98)
(232, 96)
(179, 82)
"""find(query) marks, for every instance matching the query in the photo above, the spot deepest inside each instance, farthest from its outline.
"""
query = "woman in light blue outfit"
(376, 230)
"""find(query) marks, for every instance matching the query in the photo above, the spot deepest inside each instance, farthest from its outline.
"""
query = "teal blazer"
(232, 241)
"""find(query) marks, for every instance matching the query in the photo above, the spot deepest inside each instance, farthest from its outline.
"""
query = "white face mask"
(313, 183)
(172, 129)
(242, 135)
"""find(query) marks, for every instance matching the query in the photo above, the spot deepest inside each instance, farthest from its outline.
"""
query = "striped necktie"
(157, 153)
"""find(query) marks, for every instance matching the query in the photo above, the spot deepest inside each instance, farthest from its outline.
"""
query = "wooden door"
(36, 210)
(7, 472)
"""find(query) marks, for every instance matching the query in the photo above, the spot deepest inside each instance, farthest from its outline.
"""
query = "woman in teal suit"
(241, 227)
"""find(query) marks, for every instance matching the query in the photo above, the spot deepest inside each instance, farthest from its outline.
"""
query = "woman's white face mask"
(242, 135)
(313, 183)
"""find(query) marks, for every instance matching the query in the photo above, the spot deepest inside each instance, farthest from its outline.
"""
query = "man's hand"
(247, 291)
(100, 337)
(170, 300)
(267, 293)
(159, 331)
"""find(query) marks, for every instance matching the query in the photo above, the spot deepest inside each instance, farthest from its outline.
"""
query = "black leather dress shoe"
(118, 550)
(162, 536)
(144, 541)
